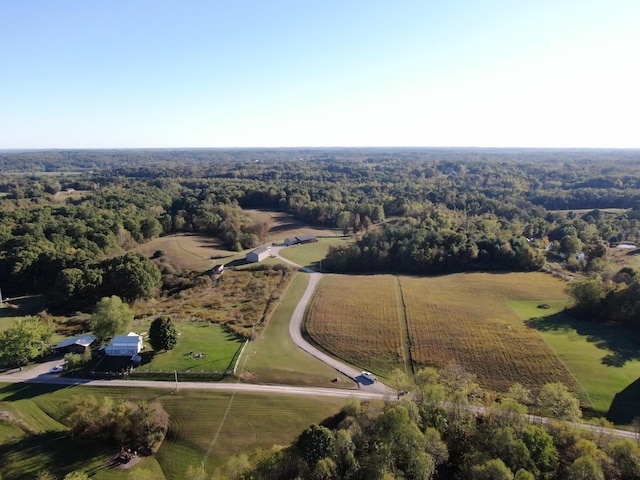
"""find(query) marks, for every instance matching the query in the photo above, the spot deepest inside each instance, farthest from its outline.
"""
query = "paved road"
(40, 373)
(295, 332)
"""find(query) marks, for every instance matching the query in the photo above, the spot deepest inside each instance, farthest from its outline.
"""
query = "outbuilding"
(75, 344)
(258, 254)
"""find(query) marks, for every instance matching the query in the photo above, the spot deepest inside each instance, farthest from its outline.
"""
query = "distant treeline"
(418, 210)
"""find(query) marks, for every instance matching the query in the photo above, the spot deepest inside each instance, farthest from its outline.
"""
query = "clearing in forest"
(461, 318)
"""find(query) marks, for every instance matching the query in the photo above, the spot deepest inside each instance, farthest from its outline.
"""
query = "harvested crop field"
(461, 318)
(356, 318)
(465, 318)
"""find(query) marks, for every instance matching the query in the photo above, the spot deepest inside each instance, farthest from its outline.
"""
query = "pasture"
(206, 428)
(189, 252)
(461, 318)
(311, 254)
(282, 225)
(603, 358)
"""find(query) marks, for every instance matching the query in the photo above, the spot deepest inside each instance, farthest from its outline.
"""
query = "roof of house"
(306, 237)
(84, 340)
(260, 250)
(130, 339)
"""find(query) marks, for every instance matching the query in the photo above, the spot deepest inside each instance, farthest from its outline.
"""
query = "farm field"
(462, 318)
(196, 418)
(466, 319)
(603, 358)
(355, 318)
(273, 357)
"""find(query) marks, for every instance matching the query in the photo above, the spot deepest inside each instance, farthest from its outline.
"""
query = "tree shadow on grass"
(624, 407)
(618, 340)
(22, 391)
(55, 452)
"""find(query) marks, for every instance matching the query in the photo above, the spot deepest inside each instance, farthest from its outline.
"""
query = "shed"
(75, 344)
(217, 269)
(258, 254)
(124, 345)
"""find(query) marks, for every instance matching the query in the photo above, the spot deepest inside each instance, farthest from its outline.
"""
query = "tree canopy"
(111, 317)
(163, 334)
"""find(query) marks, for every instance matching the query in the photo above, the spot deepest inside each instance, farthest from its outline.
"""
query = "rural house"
(124, 345)
(258, 254)
(75, 345)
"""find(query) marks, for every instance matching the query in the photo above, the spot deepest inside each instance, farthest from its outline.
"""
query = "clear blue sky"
(234, 73)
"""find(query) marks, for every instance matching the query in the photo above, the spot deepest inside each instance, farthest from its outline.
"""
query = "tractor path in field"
(295, 331)
(405, 338)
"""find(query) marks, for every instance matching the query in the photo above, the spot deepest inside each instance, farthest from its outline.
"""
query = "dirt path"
(405, 338)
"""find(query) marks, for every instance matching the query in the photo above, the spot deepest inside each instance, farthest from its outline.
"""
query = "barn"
(124, 345)
(258, 254)
(75, 344)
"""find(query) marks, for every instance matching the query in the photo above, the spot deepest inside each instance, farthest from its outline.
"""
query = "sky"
(245, 73)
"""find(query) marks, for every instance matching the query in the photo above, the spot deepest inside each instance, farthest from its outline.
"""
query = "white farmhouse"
(124, 345)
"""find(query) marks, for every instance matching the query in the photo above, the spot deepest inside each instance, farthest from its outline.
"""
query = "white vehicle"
(369, 376)
(56, 369)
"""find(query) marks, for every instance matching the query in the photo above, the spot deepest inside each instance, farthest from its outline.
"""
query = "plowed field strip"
(404, 330)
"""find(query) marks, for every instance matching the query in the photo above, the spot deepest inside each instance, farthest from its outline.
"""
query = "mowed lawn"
(355, 318)
(202, 347)
(461, 318)
(206, 428)
(311, 254)
(466, 319)
(273, 357)
(604, 358)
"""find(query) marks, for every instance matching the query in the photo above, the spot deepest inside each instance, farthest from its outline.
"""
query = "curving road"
(295, 332)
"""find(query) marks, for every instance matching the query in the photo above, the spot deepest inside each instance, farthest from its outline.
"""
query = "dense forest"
(66, 215)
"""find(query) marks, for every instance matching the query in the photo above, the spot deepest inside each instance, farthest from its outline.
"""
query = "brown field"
(283, 225)
(465, 319)
(461, 318)
(240, 300)
(356, 318)
(189, 252)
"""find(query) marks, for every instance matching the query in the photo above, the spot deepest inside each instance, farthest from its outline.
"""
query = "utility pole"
(0, 298)
(175, 373)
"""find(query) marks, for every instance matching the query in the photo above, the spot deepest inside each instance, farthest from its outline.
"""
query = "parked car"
(369, 376)
(56, 369)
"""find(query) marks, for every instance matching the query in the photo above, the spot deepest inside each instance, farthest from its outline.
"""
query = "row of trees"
(441, 435)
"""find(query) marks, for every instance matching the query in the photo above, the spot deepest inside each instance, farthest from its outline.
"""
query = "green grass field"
(273, 358)
(219, 347)
(603, 358)
(311, 254)
(196, 420)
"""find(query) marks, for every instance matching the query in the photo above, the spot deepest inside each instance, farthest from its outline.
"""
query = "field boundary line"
(405, 337)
